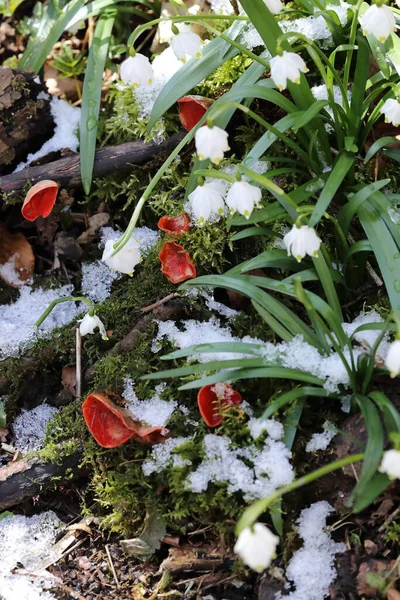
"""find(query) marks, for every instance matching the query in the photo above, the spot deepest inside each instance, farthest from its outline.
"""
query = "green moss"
(221, 80)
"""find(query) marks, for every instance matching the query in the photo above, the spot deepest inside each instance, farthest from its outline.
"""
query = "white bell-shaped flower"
(187, 44)
(391, 110)
(211, 142)
(165, 32)
(126, 259)
(242, 198)
(207, 200)
(392, 360)
(88, 325)
(257, 547)
(391, 464)
(300, 241)
(275, 6)
(378, 21)
(136, 70)
(287, 65)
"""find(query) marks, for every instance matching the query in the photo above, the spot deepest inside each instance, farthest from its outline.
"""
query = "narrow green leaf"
(335, 180)
(376, 486)
(376, 146)
(348, 211)
(91, 95)
(292, 395)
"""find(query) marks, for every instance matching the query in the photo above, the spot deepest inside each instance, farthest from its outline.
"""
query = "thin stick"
(150, 308)
(112, 566)
(78, 363)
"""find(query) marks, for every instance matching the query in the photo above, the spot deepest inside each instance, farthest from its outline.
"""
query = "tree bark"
(112, 159)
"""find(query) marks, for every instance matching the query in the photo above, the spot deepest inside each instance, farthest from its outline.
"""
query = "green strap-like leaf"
(91, 95)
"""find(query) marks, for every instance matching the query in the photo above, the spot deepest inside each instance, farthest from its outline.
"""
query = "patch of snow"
(272, 427)
(224, 464)
(17, 320)
(66, 120)
(311, 569)
(222, 7)
(97, 280)
(30, 427)
(320, 441)
(155, 412)
(27, 541)
(164, 455)
(146, 237)
(345, 404)
(368, 338)
(9, 272)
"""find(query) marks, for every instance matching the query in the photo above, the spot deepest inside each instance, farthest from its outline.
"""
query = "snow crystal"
(17, 320)
(345, 404)
(155, 412)
(26, 541)
(196, 332)
(97, 280)
(30, 427)
(222, 464)
(9, 272)
(368, 338)
(163, 455)
(320, 441)
(311, 569)
(146, 237)
(66, 119)
(223, 7)
(272, 427)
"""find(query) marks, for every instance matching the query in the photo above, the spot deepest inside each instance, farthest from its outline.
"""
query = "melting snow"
(311, 569)
(17, 320)
(30, 427)
(320, 441)
(164, 455)
(66, 119)
(155, 412)
(97, 280)
(27, 541)
(9, 272)
(146, 237)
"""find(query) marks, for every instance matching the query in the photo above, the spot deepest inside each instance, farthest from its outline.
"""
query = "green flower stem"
(224, 106)
(252, 513)
(66, 299)
(201, 18)
(352, 39)
(215, 174)
(371, 364)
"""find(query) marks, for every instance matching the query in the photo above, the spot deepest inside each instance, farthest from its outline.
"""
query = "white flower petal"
(300, 241)
(89, 324)
(257, 547)
(126, 259)
(243, 197)
(187, 44)
(136, 70)
(391, 464)
(275, 6)
(211, 142)
(289, 65)
(392, 361)
(391, 110)
(378, 21)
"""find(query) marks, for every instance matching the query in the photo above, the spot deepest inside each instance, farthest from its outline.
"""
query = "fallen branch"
(26, 478)
(112, 159)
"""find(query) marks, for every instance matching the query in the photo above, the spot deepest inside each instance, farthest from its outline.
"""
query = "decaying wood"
(112, 159)
(24, 479)
(25, 117)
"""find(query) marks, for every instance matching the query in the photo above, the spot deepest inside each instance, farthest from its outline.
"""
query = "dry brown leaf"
(68, 379)
(17, 260)
(60, 86)
(95, 222)
(392, 594)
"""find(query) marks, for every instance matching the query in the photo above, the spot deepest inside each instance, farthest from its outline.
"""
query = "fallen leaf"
(60, 86)
(95, 222)
(68, 379)
(17, 260)
(392, 594)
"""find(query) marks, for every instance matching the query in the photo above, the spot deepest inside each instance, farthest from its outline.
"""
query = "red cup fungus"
(176, 264)
(213, 399)
(174, 225)
(39, 200)
(192, 109)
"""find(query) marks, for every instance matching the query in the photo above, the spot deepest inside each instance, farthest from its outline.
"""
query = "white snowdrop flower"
(391, 110)
(289, 65)
(257, 547)
(391, 464)
(300, 241)
(187, 44)
(242, 197)
(136, 70)
(211, 142)
(275, 6)
(89, 323)
(126, 259)
(166, 34)
(392, 361)
(207, 200)
(378, 21)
